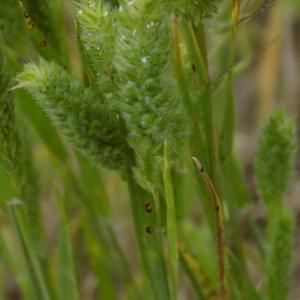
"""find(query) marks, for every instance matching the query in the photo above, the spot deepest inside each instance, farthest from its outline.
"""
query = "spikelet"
(279, 258)
(80, 113)
(274, 160)
(148, 100)
(96, 27)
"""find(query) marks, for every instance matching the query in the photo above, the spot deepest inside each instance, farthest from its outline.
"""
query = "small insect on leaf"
(30, 24)
(148, 208)
(43, 43)
(148, 229)
(26, 15)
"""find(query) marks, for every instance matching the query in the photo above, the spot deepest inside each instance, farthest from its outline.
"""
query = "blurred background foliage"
(89, 248)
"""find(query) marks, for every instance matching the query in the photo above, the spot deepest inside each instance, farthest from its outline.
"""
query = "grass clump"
(146, 89)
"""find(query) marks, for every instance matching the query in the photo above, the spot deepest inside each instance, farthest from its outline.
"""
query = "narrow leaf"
(171, 225)
(67, 288)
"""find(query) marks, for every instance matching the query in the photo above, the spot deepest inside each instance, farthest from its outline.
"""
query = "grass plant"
(119, 175)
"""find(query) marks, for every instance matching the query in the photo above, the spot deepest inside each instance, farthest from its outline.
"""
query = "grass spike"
(79, 112)
(275, 156)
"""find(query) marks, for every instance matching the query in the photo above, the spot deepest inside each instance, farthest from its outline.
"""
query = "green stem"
(227, 131)
(32, 261)
(196, 44)
(172, 237)
(197, 136)
(147, 234)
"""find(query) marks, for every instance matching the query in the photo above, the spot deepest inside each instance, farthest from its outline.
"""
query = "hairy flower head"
(80, 113)
(274, 161)
(148, 100)
(96, 34)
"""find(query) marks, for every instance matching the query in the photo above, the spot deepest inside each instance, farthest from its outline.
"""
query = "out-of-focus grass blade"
(130, 284)
(93, 196)
(98, 250)
(41, 124)
(171, 225)
(227, 132)
(2, 280)
(235, 182)
(17, 270)
(145, 221)
(6, 186)
(201, 283)
(92, 184)
(7, 191)
(34, 267)
(242, 282)
(67, 286)
(238, 195)
(89, 194)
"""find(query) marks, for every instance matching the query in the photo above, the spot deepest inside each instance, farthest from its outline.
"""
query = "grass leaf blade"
(171, 225)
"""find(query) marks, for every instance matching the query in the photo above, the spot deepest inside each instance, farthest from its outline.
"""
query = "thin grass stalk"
(194, 53)
(95, 247)
(204, 153)
(25, 282)
(202, 284)
(97, 207)
(227, 131)
(106, 240)
(172, 238)
(226, 151)
(241, 285)
(33, 264)
(197, 138)
(2, 280)
(223, 290)
(198, 33)
(127, 274)
(227, 158)
(97, 255)
(67, 285)
(195, 39)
